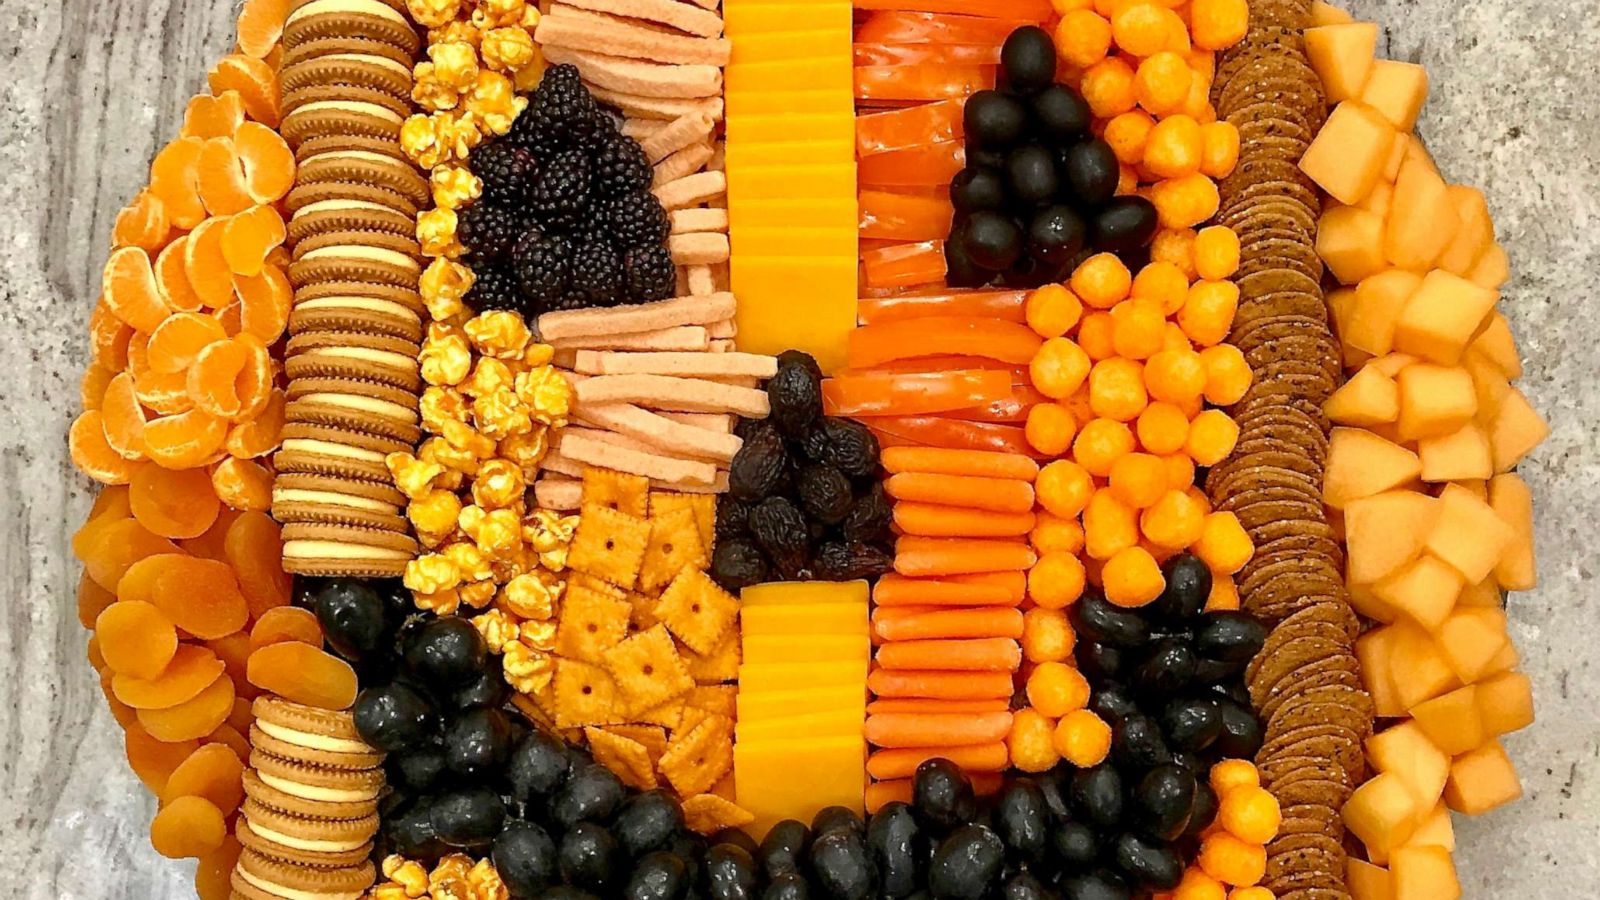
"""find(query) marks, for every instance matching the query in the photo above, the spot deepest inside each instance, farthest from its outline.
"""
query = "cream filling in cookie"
(350, 156)
(312, 792)
(312, 740)
(288, 893)
(368, 254)
(366, 354)
(365, 404)
(339, 205)
(359, 107)
(289, 840)
(364, 7)
(334, 498)
(332, 448)
(382, 61)
(370, 304)
(340, 550)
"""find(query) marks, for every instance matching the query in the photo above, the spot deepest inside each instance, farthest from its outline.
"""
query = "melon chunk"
(1517, 429)
(1422, 220)
(1490, 386)
(1506, 661)
(1496, 344)
(1474, 233)
(1350, 242)
(1483, 593)
(1505, 703)
(1342, 56)
(1323, 13)
(1367, 881)
(1481, 780)
(1396, 90)
(1380, 299)
(1405, 751)
(1511, 500)
(1458, 456)
(1349, 153)
(1423, 873)
(1385, 531)
(1369, 604)
(1434, 400)
(1471, 640)
(1396, 158)
(1420, 670)
(1435, 830)
(1382, 813)
(1390, 364)
(1492, 268)
(1368, 398)
(1424, 590)
(1361, 464)
(1452, 721)
(1375, 652)
(1467, 534)
(1442, 316)
(1381, 200)
(1341, 305)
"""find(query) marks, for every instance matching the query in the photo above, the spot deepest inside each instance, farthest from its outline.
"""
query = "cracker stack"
(1305, 683)
(357, 317)
(311, 807)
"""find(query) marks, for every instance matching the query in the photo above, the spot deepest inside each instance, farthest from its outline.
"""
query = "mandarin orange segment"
(92, 387)
(194, 718)
(142, 223)
(213, 115)
(231, 317)
(260, 25)
(221, 178)
(188, 827)
(165, 395)
(254, 548)
(242, 484)
(173, 179)
(201, 596)
(152, 760)
(250, 236)
(264, 302)
(207, 266)
(192, 669)
(110, 548)
(256, 82)
(304, 674)
(210, 544)
(176, 342)
(172, 280)
(212, 377)
(268, 162)
(286, 623)
(173, 503)
(259, 436)
(108, 337)
(139, 352)
(137, 640)
(128, 284)
(213, 877)
(254, 384)
(228, 735)
(185, 440)
(92, 600)
(125, 715)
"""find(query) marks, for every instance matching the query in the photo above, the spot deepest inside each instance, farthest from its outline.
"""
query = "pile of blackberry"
(566, 219)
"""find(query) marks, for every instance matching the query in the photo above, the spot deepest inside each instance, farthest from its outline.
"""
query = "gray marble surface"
(92, 87)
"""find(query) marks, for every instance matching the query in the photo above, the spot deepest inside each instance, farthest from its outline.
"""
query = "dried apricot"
(201, 596)
(213, 115)
(242, 717)
(171, 279)
(261, 435)
(212, 378)
(175, 344)
(265, 299)
(261, 25)
(152, 760)
(250, 236)
(128, 284)
(110, 548)
(165, 395)
(137, 640)
(124, 714)
(142, 223)
(94, 457)
(209, 545)
(97, 660)
(173, 179)
(138, 584)
(188, 827)
(194, 718)
(221, 178)
(268, 162)
(174, 503)
(304, 674)
(206, 266)
(256, 82)
(92, 600)
(255, 550)
(234, 651)
(192, 670)
(286, 623)
(108, 337)
(242, 484)
(123, 417)
(229, 736)
(213, 877)
(213, 772)
(186, 440)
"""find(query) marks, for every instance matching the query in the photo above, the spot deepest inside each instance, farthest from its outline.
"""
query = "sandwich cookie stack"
(358, 315)
(311, 805)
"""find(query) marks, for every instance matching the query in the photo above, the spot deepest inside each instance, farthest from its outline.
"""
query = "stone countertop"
(92, 89)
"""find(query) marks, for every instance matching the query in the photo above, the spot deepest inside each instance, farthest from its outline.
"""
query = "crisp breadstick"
(561, 465)
(558, 493)
(690, 128)
(680, 282)
(683, 365)
(721, 347)
(718, 485)
(719, 157)
(699, 281)
(687, 337)
(682, 394)
(643, 130)
(644, 79)
(721, 423)
(667, 12)
(584, 449)
(578, 29)
(659, 432)
(727, 328)
(687, 161)
(721, 277)
(687, 221)
(702, 249)
(658, 107)
(692, 190)
(557, 326)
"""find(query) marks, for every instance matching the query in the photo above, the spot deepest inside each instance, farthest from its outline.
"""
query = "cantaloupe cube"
(1506, 661)
(1511, 500)
(1481, 780)
(1368, 398)
(1380, 299)
(1422, 219)
(1341, 304)
(1471, 639)
(1349, 153)
(1342, 57)
(1517, 429)
(1420, 670)
(1350, 242)
(1396, 90)
(1361, 464)
(1479, 487)
(1405, 751)
(1375, 652)
(1423, 873)
(1490, 386)
(1452, 721)
(1390, 364)
(1505, 703)
(1435, 830)
(1483, 593)
(1382, 813)
(1496, 344)
(1458, 456)
(1367, 881)
(1385, 531)
(1369, 604)
(1467, 534)
(1442, 316)
(1492, 268)
(1327, 14)
(1434, 400)
(1396, 158)
(1381, 200)
(1474, 234)
(1424, 591)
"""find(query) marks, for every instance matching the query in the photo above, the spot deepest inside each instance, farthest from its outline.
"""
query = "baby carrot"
(969, 655)
(922, 556)
(935, 730)
(902, 762)
(881, 793)
(940, 685)
(936, 520)
(1011, 495)
(987, 589)
(941, 461)
(951, 623)
(919, 705)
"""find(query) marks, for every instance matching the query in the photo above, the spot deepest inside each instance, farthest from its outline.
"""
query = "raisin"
(795, 393)
(188, 827)
(194, 718)
(304, 674)
(846, 445)
(780, 530)
(845, 561)
(802, 359)
(760, 465)
(737, 563)
(733, 518)
(213, 772)
(825, 494)
(868, 521)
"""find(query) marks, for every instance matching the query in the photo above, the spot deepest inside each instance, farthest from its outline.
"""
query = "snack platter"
(666, 449)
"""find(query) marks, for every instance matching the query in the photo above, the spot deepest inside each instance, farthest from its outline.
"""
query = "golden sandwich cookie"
(324, 498)
(257, 877)
(366, 406)
(329, 450)
(345, 550)
(376, 20)
(356, 256)
(281, 844)
(354, 354)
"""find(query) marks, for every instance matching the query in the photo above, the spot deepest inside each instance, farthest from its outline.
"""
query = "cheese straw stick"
(558, 493)
(721, 346)
(584, 449)
(644, 79)
(684, 365)
(658, 107)
(668, 12)
(727, 328)
(692, 190)
(721, 423)
(568, 26)
(687, 337)
(666, 392)
(699, 281)
(660, 433)
(642, 130)
(558, 326)
(689, 221)
(702, 249)
(690, 128)
(687, 161)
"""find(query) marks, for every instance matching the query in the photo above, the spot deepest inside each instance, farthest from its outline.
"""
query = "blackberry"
(541, 267)
(637, 219)
(508, 171)
(596, 274)
(620, 166)
(495, 287)
(488, 231)
(560, 196)
(562, 113)
(650, 274)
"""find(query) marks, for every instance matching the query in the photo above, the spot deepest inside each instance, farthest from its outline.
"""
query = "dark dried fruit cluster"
(804, 500)
(566, 219)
